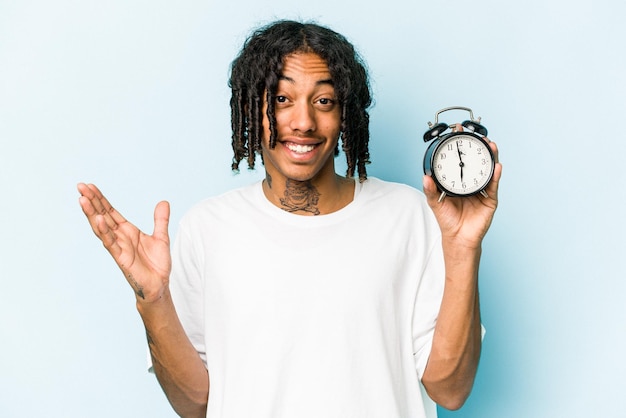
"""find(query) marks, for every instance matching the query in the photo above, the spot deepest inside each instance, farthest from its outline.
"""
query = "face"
(308, 119)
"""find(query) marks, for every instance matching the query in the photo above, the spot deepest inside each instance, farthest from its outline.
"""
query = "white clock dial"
(462, 164)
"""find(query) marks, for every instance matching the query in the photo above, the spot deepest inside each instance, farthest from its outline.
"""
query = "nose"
(302, 117)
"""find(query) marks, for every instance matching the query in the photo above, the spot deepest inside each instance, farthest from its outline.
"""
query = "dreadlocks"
(256, 72)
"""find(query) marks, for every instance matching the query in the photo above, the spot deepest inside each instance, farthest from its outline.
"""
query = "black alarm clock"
(460, 162)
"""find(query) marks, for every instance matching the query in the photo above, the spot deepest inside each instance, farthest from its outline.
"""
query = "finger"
(494, 150)
(92, 193)
(86, 195)
(494, 184)
(492, 189)
(161, 221)
(95, 197)
(105, 208)
(103, 222)
(101, 205)
(90, 213)
(99, 226)
(107, 236)
(430, 190)
(86, 203)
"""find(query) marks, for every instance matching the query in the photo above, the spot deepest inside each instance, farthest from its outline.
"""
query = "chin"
(300, 177)
(297, 172)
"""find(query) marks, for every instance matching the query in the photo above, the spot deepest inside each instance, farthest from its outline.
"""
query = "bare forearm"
(449, 375)
(178, 367)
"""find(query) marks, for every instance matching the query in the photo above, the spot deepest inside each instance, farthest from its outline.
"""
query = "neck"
(309, 197)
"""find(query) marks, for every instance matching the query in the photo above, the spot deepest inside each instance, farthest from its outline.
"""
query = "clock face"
(462, 164)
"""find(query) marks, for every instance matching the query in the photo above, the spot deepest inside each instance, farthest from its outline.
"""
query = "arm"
(146, 263)
(455, 352)
(177, 365)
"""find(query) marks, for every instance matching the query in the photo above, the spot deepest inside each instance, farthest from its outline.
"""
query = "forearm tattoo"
(136, 286)
(300, 196)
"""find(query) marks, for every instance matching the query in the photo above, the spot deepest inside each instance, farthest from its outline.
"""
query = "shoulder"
(396, 200)
(376, 188)
(224, 206)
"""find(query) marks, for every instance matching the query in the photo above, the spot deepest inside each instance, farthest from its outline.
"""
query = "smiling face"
(308, 120)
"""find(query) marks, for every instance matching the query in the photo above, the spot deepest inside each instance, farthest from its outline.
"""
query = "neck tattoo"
(300, 196)
(268, 178)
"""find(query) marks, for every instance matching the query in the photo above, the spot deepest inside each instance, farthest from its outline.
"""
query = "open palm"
(144, 259)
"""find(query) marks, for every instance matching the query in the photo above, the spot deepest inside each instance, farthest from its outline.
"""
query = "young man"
(308, 294)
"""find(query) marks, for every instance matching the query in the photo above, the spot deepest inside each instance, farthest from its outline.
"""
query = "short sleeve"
(427, 305)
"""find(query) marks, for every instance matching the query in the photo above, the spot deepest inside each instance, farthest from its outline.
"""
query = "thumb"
(430, 189)
(161, 221)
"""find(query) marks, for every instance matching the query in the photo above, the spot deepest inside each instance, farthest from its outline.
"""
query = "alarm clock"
(460, 162)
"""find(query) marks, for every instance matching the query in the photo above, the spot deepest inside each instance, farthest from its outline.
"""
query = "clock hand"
(461, 164)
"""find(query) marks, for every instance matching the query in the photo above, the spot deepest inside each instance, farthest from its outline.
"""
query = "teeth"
(300, 149)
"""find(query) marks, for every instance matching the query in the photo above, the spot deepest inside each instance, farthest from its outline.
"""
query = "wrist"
(462, 262)
(461, 247)
(155, 306)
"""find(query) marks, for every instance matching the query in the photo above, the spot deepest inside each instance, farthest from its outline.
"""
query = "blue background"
(132, 95)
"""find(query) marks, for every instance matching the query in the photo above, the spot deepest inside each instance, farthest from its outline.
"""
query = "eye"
(281, 99)
(326, 102)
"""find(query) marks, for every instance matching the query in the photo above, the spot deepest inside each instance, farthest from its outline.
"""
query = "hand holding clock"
(465, 219)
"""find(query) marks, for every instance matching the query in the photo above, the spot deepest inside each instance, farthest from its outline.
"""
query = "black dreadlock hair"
(257, 69)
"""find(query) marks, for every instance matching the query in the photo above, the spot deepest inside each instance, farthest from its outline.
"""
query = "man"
(308, 294)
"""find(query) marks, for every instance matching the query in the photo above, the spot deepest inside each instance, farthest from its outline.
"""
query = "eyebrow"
(328, 81)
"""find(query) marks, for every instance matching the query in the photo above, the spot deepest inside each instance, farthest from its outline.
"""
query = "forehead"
(305, 64)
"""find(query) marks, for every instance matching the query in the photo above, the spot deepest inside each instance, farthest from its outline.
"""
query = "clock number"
(450, 148)
(442, 156)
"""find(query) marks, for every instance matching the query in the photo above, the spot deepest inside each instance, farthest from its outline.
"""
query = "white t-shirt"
(311, 316)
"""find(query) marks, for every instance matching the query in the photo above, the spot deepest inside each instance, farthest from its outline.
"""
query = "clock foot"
(441, 197)
(484, 193)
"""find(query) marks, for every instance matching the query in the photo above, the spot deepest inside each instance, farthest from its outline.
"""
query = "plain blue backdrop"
(132, 95)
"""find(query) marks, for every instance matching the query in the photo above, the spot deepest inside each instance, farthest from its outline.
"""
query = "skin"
(307, 115)
(146, 263)
(304, 183)
(464, 222)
